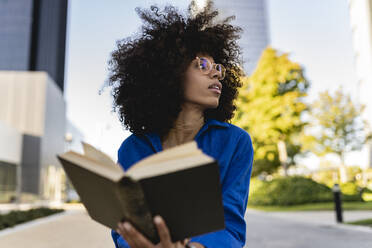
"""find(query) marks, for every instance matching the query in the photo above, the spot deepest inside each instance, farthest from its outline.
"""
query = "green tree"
(337, 127)
(269, 107)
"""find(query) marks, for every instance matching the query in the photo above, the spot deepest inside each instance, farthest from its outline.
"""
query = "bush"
(16, 217)
(286, 191)
(351, 192)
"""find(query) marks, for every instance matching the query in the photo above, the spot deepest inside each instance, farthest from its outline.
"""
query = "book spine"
(135, 208)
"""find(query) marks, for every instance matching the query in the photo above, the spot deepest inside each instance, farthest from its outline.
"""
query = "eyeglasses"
(206, 66)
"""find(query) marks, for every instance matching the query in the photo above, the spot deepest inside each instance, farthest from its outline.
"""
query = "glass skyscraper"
(33, 36)
(251, 16)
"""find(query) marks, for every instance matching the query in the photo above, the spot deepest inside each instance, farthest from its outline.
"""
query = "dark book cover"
(189, 200)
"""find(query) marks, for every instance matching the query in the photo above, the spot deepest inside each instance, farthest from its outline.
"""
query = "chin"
(206, 103)
(212, 105)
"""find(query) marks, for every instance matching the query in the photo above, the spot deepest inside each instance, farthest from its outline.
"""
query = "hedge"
(17, 217)
(293, 190)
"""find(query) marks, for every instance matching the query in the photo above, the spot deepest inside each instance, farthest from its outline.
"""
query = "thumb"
(185, 241)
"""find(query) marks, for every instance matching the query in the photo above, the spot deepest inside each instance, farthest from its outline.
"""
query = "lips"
(216, 86)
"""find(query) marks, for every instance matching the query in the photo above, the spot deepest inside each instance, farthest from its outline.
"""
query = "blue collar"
(155, 141)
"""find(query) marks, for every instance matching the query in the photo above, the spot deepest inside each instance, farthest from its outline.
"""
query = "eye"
(204, 64)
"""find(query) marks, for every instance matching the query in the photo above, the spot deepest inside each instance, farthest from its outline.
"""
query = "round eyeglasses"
(206, 66)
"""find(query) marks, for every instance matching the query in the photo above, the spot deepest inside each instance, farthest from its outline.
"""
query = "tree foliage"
(337, 126)
(269, 107)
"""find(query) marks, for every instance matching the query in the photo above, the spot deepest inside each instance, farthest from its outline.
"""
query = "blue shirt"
(232, 147)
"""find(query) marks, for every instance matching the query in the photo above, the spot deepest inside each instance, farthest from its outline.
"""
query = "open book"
(181, 184)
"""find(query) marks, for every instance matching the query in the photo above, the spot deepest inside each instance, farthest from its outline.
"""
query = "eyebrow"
(210, 59)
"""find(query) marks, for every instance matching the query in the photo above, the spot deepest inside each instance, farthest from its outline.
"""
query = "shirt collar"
(155, 141)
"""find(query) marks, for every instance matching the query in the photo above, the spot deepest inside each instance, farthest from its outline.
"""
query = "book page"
(113, 173)
(188, 149)
(102, 158)
(169, 166)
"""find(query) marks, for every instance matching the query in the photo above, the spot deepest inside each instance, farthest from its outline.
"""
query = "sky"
(315, 33)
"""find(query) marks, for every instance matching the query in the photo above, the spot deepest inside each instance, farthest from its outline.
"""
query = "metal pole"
(338, 204)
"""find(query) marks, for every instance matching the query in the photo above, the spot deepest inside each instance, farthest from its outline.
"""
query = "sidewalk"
(73, 228)
(304, 230)
(322, 217)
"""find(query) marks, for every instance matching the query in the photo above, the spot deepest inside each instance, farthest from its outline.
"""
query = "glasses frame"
(212, 66)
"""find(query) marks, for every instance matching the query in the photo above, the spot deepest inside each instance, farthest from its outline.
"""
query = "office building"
(361, 27)
(251, 16)
(32, 107)
(33, 36)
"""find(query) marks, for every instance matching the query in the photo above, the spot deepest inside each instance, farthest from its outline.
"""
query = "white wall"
(22, 100)
(10, 144)
(33, 105)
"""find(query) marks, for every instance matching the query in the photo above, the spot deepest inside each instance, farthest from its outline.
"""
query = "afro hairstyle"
(147, 69)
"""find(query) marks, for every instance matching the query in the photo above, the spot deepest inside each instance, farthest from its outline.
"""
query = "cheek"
(192, 86)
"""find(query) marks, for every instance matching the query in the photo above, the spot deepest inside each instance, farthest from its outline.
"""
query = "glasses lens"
(204, 65)
(221, 70)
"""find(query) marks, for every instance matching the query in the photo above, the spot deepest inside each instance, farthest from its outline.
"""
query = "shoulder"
(130, 143)
(234, 133)
(230, 139)
(239, 132)
(242, 140)
(133, 149)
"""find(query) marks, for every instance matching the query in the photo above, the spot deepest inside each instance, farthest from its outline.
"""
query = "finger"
(180, 244)
(163, 231)
(185, 241)
(123, 232)
(120, 229)
(137, 237)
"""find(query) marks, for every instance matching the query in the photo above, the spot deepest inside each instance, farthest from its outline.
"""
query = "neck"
(186, 126)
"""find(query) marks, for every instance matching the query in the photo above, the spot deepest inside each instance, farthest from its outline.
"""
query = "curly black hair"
(147, 70)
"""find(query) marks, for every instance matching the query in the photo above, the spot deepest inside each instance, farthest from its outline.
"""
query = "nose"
(214, 73)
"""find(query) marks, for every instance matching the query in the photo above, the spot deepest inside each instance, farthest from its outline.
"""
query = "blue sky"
(316, 34)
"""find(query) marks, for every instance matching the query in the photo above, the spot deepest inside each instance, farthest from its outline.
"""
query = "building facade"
(33, 36)
(361, 26)
(251, 16)
(32, 107)
(10, 161)
(32, 118)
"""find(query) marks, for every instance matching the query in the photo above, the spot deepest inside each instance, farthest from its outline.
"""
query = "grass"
(366, 222)
(316, 207)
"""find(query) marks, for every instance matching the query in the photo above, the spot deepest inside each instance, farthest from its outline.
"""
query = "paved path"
(264, 230)
(321, 217)
(66, 230)
(305, 230)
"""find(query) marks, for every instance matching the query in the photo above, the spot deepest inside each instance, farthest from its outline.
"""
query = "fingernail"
(127, 226)
(157, 219)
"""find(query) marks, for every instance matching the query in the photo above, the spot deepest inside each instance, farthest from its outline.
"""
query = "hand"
(135, 239)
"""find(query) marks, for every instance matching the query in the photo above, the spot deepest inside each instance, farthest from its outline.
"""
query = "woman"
(175, 82)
